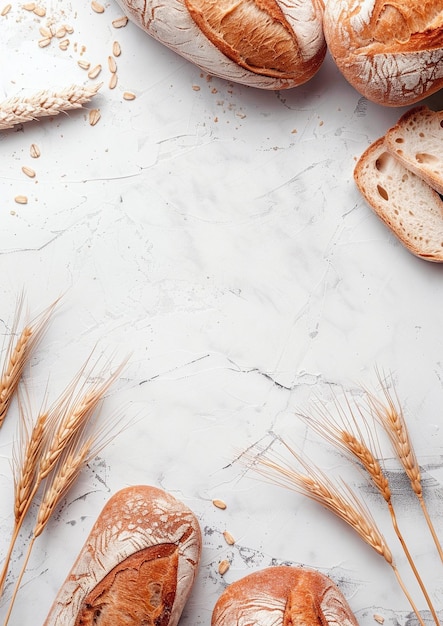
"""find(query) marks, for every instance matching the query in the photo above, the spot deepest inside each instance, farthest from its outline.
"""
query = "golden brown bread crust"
(261, 43)
(137, 566)
(282, 596)
(391, 51)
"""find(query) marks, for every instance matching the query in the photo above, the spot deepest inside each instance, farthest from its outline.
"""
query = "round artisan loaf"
(268, 44)
(283, 595)
(391, 52)
(136, 567)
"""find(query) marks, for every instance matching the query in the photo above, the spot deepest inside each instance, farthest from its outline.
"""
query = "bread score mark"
(139, 590)
(253, 33)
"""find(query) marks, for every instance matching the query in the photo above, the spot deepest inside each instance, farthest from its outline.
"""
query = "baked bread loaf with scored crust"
(269, 44)
(410, 207)
(391, 52)
(137, 566)
(280, 596)
(417, 142)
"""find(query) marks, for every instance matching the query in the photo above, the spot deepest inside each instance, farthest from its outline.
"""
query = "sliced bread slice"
(402, 200)
(417, 141)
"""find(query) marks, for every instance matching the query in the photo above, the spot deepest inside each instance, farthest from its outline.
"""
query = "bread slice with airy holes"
(410, 207)
(417, 141)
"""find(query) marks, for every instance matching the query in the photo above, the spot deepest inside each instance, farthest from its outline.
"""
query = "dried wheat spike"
(18, 351)
(19, 110)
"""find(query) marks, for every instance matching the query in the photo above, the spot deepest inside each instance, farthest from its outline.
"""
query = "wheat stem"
(19, 110)
(19, 580)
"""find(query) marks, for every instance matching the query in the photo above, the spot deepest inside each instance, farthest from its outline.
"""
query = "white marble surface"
(213, 232)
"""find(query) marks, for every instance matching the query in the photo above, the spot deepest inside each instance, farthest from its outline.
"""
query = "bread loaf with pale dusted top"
(280, 596)
(391, 52)
(269, 44)
(136, 567)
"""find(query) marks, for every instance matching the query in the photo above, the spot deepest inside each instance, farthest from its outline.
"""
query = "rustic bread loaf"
(402, 200)
(137, 565)
(417, 142)
(391, 52)
(281, 596)
(268, 44)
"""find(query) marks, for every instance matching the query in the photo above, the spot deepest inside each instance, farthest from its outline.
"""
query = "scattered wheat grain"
(28, 171)
(45, 32)
(60, 32)
(43, 43)
(379, 618)
(95, 71)
(219, 504)
(113, 81)
(34, 151)
(64, 44)
(85, 65)
(94, 116)
(223, 567)
(97, 7)
(228, 538)
(69, 29)
(120, 22)
(129, 95)
(40, 11)
(29, 6)
(21, 199)
(112, 65)
(116, 49)
(6, 9)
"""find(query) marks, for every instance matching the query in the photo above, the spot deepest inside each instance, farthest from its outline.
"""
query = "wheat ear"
(19, 110)
(390, 415)
(19, 349)
(68, 470)
(344, 503)
(336, 432)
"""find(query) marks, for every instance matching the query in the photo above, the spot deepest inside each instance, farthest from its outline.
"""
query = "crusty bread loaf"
(417, 142)
(137, 565)
(268, 44)
(281, 596)
(402, 200)
(391, 52)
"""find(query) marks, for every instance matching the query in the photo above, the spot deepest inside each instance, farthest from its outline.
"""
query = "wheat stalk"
(19, 110)
(344, 503)
(336, 432)
(18, 352)
(390, 416)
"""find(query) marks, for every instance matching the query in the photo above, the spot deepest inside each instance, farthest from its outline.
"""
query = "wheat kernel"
(29, 6)
(40, 11)
(228, 538)
(60, 32)
(128, 95)
(21, 199)
(69, 29)
(116, 49)
(97, 7)
(64, 44)
(112, 64)
(95, 71)
(120, 22)
(6, 9)
(85, 65)
(28, 171)
(219, 504)
(45, 32)
(379, 618)
(113, 81)
(223, 566)
(34, 151)
(94, 116)
(44, 42)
